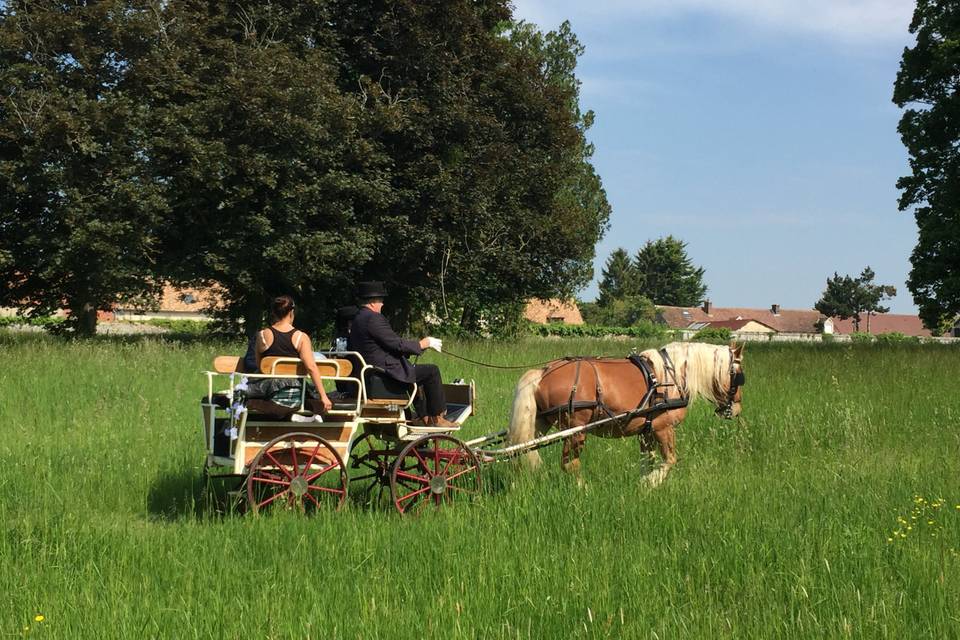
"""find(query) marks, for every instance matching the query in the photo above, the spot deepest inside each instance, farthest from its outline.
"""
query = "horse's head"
(731, 406)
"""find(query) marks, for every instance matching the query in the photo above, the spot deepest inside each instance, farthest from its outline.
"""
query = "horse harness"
(653, 403)
(737, 380)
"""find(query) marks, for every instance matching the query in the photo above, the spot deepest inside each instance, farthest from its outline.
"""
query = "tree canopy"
(667, 276)
(847, 297)
(928, 81)
(293, 147)
(78, 206)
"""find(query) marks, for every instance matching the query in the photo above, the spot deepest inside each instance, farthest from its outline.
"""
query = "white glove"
(435, 343)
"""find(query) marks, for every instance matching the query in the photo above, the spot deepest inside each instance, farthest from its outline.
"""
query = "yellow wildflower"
(38, 618)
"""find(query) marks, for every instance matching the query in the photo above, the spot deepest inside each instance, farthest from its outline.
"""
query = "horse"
(579, 390)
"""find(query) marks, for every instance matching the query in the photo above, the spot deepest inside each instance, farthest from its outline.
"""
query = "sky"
(760, 132)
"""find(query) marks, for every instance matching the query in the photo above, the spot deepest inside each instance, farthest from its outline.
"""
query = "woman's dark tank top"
(282, 345)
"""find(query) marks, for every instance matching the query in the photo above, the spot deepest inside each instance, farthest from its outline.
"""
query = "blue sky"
(761, 132)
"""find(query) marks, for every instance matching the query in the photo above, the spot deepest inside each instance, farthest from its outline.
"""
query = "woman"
(284, 340)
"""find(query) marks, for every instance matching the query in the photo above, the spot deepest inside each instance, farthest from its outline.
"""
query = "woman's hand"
(327, 404)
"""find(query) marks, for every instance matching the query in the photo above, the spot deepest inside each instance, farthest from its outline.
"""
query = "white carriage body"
(385, 418)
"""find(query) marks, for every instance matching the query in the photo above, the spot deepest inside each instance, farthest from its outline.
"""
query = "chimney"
(707, 307)
(775, 309)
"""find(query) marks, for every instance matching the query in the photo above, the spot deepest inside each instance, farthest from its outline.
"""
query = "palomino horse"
(577, 391)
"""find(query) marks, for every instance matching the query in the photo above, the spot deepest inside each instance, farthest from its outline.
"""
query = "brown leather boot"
(441, 421)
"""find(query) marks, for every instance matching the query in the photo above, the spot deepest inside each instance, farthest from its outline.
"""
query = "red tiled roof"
(885, 323)
(785, 321)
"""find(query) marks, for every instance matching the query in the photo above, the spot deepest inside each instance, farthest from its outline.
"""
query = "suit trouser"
(430, 400)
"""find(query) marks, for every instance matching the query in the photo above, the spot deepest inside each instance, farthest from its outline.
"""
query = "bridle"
(737, 380)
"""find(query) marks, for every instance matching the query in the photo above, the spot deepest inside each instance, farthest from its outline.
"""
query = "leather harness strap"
(654, 401)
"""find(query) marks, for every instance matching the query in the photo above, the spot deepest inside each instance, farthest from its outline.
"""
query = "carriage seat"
(381, 387)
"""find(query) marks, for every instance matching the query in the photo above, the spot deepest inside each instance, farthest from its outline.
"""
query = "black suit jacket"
(373, 338)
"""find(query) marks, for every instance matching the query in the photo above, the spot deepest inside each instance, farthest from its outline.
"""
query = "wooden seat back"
(279, 366)
(228, 364)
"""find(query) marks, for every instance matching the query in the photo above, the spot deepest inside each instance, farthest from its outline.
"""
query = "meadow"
(831, 509)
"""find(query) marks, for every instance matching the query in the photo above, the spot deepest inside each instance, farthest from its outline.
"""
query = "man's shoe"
(441, 421)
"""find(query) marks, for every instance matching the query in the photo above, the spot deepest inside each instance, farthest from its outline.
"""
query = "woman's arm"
(305, 349)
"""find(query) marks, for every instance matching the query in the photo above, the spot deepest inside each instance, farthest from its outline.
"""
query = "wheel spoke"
(455, 455)
(332, 465)
(315, 502)
(423, 463)
(293, 456)
(460, 473)
(463, 490)
(339, 492)
(277, 462)
(313, 455)
(411, 495)
(410, 476)
(271, 499)
(282, 483)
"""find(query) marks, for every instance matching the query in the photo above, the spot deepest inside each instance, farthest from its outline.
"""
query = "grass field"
(779, 525)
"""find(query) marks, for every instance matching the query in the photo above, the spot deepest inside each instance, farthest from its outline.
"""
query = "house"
(791, 321)
(745, 325)
(877, 323)
(182, 303)
(553, 310)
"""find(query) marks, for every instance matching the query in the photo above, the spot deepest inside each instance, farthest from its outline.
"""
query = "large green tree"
(78, 208)
(495, 197)
(848, 297)
(667, 276)
(265, 162)
(929, 83)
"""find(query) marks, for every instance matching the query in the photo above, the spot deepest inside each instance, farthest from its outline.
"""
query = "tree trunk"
(87, 320)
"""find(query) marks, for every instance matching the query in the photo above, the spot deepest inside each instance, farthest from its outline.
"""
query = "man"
(373, 338)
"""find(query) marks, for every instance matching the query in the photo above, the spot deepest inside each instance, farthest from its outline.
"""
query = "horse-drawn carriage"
(367, 440)
(305, 462)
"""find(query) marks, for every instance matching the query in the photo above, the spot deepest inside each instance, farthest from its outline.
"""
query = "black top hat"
(371, 289)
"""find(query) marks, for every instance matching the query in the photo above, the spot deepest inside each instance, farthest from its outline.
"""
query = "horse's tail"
(523, 415)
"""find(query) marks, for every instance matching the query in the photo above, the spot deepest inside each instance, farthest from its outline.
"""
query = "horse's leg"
(572, 446)
(665, 436)
(648, 457)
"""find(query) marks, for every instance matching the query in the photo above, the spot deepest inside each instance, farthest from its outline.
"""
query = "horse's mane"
(701, 368)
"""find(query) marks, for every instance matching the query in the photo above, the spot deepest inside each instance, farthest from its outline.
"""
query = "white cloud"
(847, 21)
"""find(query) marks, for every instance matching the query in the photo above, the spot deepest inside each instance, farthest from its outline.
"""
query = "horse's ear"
(738, 349)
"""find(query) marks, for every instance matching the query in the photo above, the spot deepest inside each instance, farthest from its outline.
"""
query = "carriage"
(366, 441)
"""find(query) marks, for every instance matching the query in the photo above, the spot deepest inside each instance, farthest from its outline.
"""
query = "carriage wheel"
(297, 471)
(433, 470)
(371, 464)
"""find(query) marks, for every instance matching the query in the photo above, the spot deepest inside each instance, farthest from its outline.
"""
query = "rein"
(498, 366)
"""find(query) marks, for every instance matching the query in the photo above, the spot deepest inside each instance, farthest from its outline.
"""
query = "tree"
(495, 198)
(931, 132)
(666, 275)
(266, 164)
(847, 297)
(618, 278)
(78, 210)
(626, 311)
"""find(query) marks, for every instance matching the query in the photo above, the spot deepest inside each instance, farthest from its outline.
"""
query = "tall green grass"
(773, 526)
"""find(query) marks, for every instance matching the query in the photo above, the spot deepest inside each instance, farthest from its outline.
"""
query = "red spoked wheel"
(432, 470)
(297, 471)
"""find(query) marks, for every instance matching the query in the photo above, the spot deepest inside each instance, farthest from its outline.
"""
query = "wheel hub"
(438, 485)
(298, 486)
